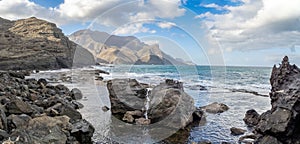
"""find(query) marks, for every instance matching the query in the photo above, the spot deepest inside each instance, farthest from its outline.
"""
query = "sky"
(206, 32)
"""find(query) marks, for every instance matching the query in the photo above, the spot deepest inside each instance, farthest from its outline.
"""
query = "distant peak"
(32, 18)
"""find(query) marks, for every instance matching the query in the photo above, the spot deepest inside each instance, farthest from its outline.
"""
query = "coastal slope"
(37, 44)
(112, 49)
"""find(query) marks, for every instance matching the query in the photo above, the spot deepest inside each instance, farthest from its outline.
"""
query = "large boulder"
(281, 123)
(44, 129)
(169, 100)
(126, 95)
(166, 110)
(251, 118)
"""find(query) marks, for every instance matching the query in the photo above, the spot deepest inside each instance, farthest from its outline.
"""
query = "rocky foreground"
(35, 112)
(281, 124)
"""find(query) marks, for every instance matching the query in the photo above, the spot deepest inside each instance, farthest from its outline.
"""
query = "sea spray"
(147, 102)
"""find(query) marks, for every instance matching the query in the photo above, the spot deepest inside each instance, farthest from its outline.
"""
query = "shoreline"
(90, 112)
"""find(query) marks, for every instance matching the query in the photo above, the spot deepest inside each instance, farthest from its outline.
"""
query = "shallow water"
(218, 81)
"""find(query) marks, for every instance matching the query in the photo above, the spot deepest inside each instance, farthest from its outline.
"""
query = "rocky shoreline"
(280, 125)
(33, 111)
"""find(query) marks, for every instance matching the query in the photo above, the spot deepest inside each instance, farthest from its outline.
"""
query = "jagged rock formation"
(122, 49)
(281, 124)
(37, 44)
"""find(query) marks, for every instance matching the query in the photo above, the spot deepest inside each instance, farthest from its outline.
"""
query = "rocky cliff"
(37, 44)
(122, 49)
(281, 124)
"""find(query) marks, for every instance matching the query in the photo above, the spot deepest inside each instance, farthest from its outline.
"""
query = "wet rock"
(105, 108)
(44, 129)
(199, 117)
(247, 139)
(98, 71)
(142, 121)
(125, 95)
(268, 140)
(197, 87)
(77, 105)
(169, 99)
(83, 131)
(237, 131)
(99, 78)
(275, 122)
(3, 134)
(281, 123)
(128, 117)
(43, 81)
(249, 91)
(251, 118)
(63, 109)
(18, 121)
(76, 94)
(215, 108)
(20, 75)
(3, 120)
(17, 106)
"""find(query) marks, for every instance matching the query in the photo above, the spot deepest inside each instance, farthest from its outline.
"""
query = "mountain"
(37, 44)
(112, 49)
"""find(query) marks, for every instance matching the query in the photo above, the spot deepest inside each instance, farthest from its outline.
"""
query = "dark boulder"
(169, 100)
(105, 108)
(76, 94)
(17, 106)
(215, 108)
(44, 129)
(126, 95)
(83, 131)
(251, 118)
(237, 131)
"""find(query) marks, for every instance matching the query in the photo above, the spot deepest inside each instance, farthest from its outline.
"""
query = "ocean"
(206, 84)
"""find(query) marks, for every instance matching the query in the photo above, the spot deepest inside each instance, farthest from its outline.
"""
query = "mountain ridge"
(118, 50)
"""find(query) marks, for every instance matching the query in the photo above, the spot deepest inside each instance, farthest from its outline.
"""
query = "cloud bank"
(256, 24)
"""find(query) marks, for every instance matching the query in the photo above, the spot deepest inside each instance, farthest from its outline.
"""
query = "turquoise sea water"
(218, 81)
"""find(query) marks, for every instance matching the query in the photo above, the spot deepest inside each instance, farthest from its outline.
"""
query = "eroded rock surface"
(281, 123)
(37, 44)
(169, 107)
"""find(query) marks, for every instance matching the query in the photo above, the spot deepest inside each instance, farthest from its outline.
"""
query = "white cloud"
(133, 29)
(213, 5)
(18, 9)
(166, 25)
(112, 13)
(257, 24)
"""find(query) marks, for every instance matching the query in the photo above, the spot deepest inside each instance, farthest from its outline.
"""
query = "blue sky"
(207, 32)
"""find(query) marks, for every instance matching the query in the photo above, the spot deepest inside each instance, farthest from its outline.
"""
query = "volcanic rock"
(33, 43)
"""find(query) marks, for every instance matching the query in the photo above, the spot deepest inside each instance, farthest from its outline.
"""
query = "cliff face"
(37, 44)
(121, 49)
(281, 124)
